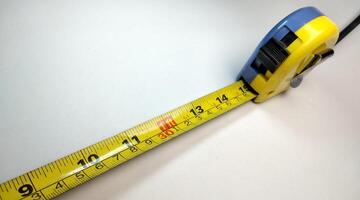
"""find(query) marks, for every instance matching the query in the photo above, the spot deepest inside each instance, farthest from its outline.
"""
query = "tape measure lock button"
(270, 56)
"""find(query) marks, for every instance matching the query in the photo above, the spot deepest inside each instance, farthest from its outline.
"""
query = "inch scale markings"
(288, 52)
(85, 164)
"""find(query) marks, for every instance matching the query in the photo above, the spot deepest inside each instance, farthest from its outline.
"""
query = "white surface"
(75, 72)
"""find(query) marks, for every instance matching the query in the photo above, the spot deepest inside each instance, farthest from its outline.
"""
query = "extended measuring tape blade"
(70, 171)
(290, 50)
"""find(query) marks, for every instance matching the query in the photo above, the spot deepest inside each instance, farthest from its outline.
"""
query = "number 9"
(25, 190)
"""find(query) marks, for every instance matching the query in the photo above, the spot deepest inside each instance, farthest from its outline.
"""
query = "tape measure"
(290, 50)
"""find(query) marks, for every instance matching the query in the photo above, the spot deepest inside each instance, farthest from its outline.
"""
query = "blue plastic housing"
(292, 22)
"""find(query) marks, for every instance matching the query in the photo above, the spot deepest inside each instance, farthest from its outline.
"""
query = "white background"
(75, 72)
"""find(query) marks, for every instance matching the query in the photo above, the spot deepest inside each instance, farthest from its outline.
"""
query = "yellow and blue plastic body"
(294, 46)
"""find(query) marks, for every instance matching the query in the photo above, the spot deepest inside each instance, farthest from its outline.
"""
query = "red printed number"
(165, 126)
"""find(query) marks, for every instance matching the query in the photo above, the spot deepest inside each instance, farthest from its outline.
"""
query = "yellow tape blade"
(70, 171)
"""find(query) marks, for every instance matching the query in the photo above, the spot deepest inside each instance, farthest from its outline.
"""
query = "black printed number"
(93, 158)
(222, 99)
(136, 139)
(25, 190)
(58, 185)
(36, 196)
(197, 110)
(244, 89)
(79, 175)
(128, 144)
(99, 166)
(148, 141)
(118, 156)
